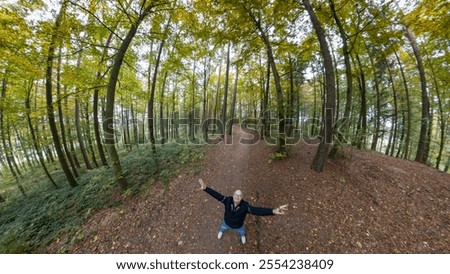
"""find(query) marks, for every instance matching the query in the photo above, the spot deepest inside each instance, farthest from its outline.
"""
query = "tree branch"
(96, 18)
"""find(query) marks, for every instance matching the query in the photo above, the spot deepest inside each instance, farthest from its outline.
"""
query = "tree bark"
(206, 75)
(135, 125)
(408, 109)
(88, 137)
(162, 123)
(78, 123)
(266, 115)
(151, 101)
(225, 93)
(328, 115)
(447, 165)
(191, 116)
(233, 102)
(362, 130)
(378, 102)
(71, 155)
(216, 99)
(442, 119)
(49, 98)
(35, 139)
(108, 125)
(348, 75)
(279, 90)
(7, 150)
(395, 114)
(98, 138)
(80, 135)
(422, 147)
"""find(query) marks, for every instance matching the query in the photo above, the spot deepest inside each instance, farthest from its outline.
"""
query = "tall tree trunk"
(71, 155)
(98, 138)
(233, 102)
(266, 116)
(400, 149)
(422, 148)
(191, 116)
(216, 99)
(49, 97)
(135, 125)
(47, 149)
(291, 100)
(80, 135)
(314, 119)
(88, 138)
(378, 101)
(78, 123)
(408, 109)
(206, 75)
(225, 94)
(329, 104)
(162, 123)
(73, 160)
(23, 147)
(108, 125)
(34, 137)
(279, 90)
(125, 127)
(442, 118)
(345, 126)
(7, 150)
(395, 114)
(174, 112)
(151, 102)
(363, 110)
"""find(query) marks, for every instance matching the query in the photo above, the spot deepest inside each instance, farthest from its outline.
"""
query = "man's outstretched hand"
(281, 210)
(202, 184)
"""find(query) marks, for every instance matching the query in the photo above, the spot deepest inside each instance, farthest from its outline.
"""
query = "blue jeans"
(224, 226)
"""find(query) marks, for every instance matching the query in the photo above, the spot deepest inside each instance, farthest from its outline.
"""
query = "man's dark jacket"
(234, 216)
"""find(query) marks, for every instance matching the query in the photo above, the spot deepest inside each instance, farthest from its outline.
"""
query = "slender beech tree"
(151, 101)
(442, 119)
(233, 101)
(162, 125)
(71, 155)
(376, 78)
(362, 124)
(225, 91)
(422, 147)
(81, 143)
(263, 34)
(408, 108)
(395, 113)
(34, 137)
(346, 50)
(49, 98)
(6, 140)
(329, 104)
(108, 124)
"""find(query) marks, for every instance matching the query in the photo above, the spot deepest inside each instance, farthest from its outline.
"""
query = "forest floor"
(363, 203)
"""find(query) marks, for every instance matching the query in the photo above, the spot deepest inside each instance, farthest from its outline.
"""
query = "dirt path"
(366, 203)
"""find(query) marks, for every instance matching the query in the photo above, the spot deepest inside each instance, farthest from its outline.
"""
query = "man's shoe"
(219, 236)
(243, 239)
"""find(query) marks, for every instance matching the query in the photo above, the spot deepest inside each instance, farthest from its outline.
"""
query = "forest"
(85, 84)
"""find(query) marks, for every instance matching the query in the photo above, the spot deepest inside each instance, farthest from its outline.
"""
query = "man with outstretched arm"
(236, 209)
